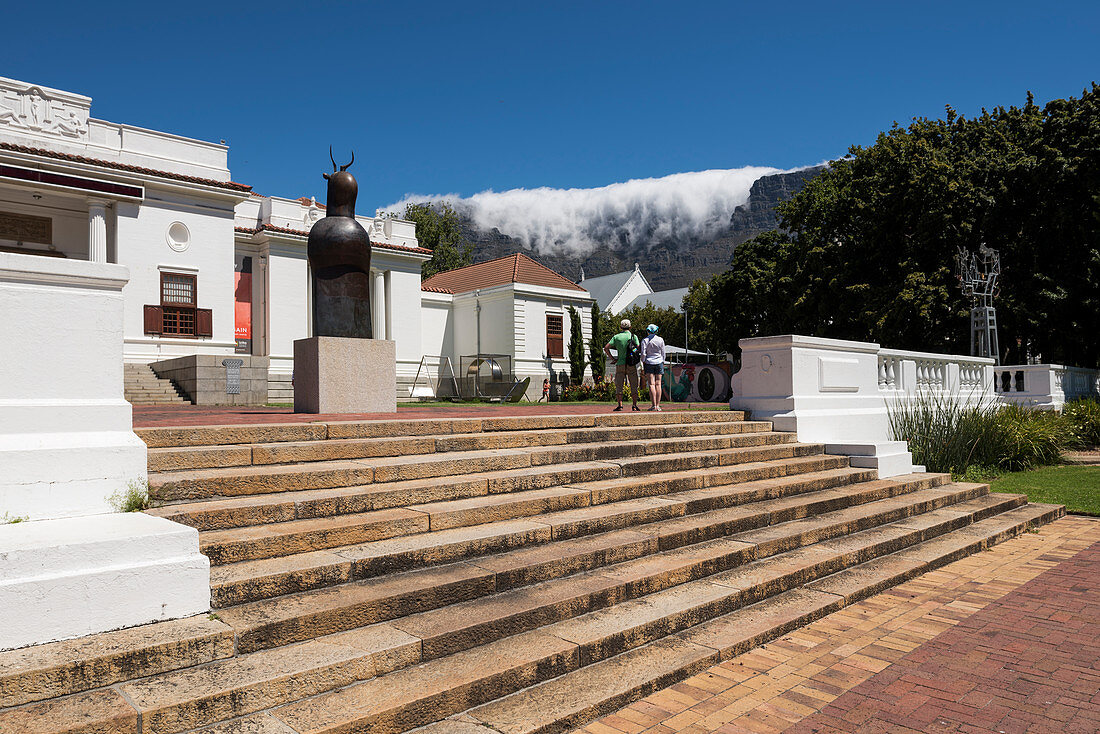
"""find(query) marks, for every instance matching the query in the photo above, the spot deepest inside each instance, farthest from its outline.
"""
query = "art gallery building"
(218, 270)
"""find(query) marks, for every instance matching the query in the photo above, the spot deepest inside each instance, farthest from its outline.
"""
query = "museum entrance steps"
(506, 574)
(142, 386)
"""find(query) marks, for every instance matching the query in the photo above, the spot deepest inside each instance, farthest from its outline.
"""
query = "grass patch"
(1076, 487)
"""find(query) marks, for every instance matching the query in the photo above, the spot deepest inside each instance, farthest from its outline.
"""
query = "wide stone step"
(298, 536)
(60, 668)
(592, 691)
(259, 579)
(667, 636)
(642, 458)
(297, 617)
(287, 452)
(610, 656)
(319, 430)
(281, 507)
(228, 688)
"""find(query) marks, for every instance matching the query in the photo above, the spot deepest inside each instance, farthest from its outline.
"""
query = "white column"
(378, 304)
(97, 230)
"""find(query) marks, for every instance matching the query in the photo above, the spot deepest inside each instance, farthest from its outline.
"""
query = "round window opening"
(179, 237)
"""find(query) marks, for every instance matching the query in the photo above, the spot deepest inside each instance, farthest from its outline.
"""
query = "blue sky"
(461, 97)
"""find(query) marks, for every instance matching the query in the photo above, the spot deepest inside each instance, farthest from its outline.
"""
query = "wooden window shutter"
(555, 346)
(204, 322)
(154, 320)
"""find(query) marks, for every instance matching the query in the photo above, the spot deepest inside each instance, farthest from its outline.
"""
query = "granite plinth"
(345, 375)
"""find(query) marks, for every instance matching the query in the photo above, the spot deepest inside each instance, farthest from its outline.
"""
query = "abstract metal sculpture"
(978, 275)
(339, 256)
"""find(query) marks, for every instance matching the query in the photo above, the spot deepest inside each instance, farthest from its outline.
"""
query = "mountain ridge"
(668, 262)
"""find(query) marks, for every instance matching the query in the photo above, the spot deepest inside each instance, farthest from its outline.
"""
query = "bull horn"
(332, 159)
(344, 168)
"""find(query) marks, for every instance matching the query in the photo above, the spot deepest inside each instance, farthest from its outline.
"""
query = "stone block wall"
(202, 377)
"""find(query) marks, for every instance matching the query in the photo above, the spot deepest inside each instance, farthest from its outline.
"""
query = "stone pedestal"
(342, 375)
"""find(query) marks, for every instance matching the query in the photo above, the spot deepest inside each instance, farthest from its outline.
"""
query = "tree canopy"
(866, 249)
(437, 229)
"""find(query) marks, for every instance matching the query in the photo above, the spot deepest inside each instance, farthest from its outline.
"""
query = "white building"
(215, 268)
(617, 292)
(512, 306)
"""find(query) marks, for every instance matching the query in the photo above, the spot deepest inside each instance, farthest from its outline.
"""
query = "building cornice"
(126, 167)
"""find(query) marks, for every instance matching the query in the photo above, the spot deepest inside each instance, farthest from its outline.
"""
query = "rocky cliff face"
(666, 263)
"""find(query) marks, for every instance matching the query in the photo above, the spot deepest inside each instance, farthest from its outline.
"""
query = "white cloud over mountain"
(580, 220)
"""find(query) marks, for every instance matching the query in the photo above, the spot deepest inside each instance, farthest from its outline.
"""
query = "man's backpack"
(633, 351)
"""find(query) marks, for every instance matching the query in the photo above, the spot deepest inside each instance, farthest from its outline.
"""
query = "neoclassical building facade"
(215, 268)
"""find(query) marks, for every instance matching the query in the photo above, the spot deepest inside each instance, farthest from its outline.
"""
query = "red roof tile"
(306, 201)
(231, 185)
(517, 268)
(434, 289)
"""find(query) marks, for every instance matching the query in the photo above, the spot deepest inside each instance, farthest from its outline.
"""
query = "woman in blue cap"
(653, 362)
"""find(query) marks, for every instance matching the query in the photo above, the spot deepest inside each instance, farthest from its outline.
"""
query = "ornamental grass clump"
(946, 436)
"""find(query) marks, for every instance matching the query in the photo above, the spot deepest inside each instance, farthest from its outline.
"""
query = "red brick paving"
(772, 688)
(1029, 662)
(231, 415)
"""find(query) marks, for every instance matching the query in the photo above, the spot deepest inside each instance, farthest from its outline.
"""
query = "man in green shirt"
(623, 372)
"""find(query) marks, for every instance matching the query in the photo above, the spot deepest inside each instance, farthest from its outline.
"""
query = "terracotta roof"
(405, 248)
(303, 233)
(124, 167)
(517, 268)
(306, 201)
(434, 289)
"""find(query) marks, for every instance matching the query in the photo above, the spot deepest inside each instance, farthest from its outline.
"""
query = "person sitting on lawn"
(627, 355)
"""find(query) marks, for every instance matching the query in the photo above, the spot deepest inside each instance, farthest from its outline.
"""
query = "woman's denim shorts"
(654, 369)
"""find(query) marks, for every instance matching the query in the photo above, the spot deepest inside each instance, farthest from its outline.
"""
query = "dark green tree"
(437, 229)
(670, 323)
(867, 247)
(577, 362)
(702, 323)
(600, 335)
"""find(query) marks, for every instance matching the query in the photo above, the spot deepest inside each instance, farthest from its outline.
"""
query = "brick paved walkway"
(214, 415)
(1003, 641)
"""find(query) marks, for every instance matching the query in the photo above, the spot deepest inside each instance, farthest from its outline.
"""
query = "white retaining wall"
(70, 566)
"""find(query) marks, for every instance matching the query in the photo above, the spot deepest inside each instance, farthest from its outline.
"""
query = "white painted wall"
(66, 445)
(143, 247)
(634, 287)
(66, 441)
(437, 324)
(287, 302)
(825, 390)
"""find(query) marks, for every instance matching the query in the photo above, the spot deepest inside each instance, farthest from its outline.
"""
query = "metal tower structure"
(978, 275)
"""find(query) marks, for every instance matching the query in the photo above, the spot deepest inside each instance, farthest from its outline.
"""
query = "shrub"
(1084, 414)
(948, 437)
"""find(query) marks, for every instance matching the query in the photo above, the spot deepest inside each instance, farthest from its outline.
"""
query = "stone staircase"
(481, 575)
(141, 386)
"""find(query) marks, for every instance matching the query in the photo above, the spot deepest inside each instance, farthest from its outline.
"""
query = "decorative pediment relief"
(37, 110)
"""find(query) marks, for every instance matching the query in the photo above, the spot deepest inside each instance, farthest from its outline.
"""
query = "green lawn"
(1076, 487)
